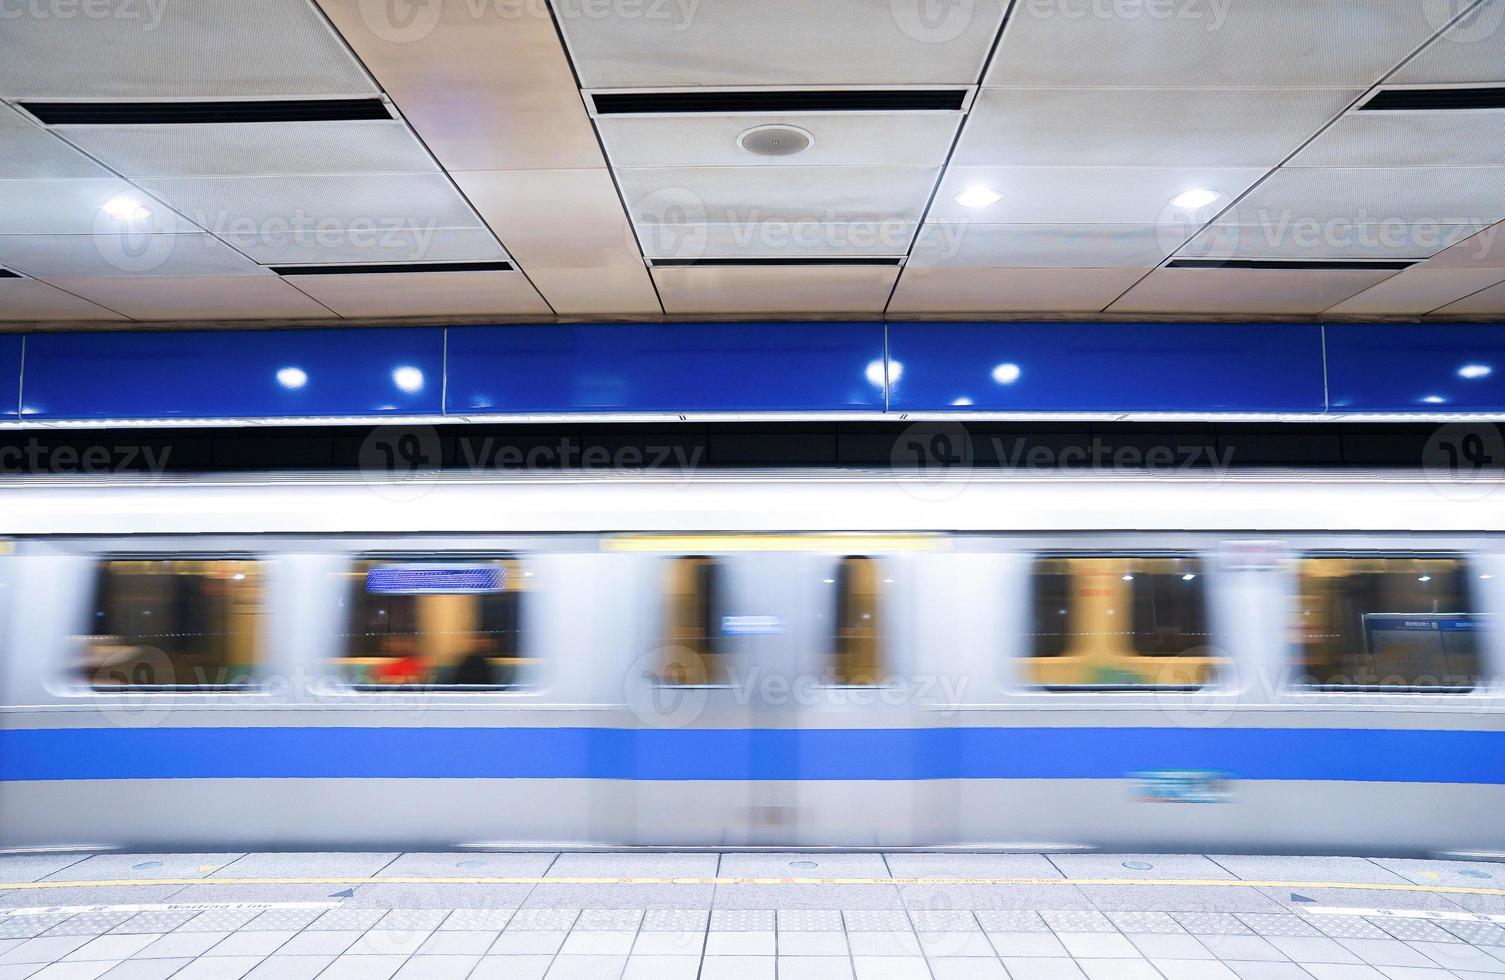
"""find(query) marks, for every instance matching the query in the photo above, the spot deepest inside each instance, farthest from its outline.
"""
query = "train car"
(1266, 662)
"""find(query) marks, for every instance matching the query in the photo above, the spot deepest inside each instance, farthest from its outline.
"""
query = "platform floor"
(746, 916)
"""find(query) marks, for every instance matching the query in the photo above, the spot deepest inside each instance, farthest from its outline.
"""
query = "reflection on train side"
(1387, 622)
(172, 624)
(1120, 622)
(434, 624)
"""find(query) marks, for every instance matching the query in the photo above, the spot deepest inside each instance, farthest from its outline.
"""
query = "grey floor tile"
(812, 968)
(786, 864)
(431, 896)
(609, 920)
(219, 920)
(116, 867)
(1132, 866)
(1342, 971)
(182, 944)
(141, 970)
(388, 942)
(807, 944)
(279, 920)
(476, 920)
(1144, 922)
(1170, 946)
(1360, 898)
(872, 920)
(922, 865)
(946, 920)
(218, 968)
(810, 920)
(73, 971)
(1001, 920)
(28, 926)
(478, 864)
(889, 943)
(1212, 924)
(662, 968)
(954, 944)
(158, 922)
(90, 924)
(531, 943)
(216, 892)
(546, 920)
(635, 865)
(35, 867)
(112, 947)
(263, 943)
(412, 919)
(324, 942)
(1377, 952)
(1242, 948)
(363, 968)
(1459, 957)
(656, 944)
(1278, 924)
(451, 967)
(599, 943)
(43, 949)
(887, 968)
(743, 942)
(616, 896)
(1260, 970)
(515, 967)
(589, 968)
(307, 865)
(1077, 921)
(978, 897)
(1335, 869)
(1097, 945)
(454, 942)
(1477, 933)
(1133, 969)
(1042, 969)
(1193, 970)
(1314, 949)
(676, 920)
(1415, 930)
(346, 919)
(807, 897)
(962, 969)
(1179, 898)
(1348, 927)
(281, 967)
(1031, 944)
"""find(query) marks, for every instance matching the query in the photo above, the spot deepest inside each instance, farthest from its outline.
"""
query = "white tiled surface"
(523, 938)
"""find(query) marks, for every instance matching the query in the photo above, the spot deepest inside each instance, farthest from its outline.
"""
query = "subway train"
(1259, 661)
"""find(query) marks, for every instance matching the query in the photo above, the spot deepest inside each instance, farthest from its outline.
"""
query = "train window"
(433, 624)
(692, 655)
(180, 624)
(1119, 622)
(858, 639)
(1382, 622)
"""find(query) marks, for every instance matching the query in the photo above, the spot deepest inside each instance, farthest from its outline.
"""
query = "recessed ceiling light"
(1197, 197)
(875, 373)
(126, 207)
(1434, 400)
(1474, 371)
(1007, 373)
(962, 402)
(292, 377)
(978, 196)
(408, 379)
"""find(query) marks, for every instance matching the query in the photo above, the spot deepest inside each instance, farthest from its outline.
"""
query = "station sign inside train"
(436, 579)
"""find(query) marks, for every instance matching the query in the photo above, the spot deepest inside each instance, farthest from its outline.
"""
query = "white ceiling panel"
(175, 48)
(776, 42)
(594, 269)
(1472, 50)
(28, 150)
(987, 291)
(1486, 302)
(776, 289)
(1245, 291)
(49, 256)
(420, 294)
(1266, 43)
(1085, 195)
(963, 244)
(1145, 127)
(907, 139)
(1416, 291)
(26, 299)
(1336, 238)
(239, 149)
(1471, 138)
(337, 204)
(73, 207)
(392, 245)
(201, 297)
(1484, 250)
(1376, 195)
(752, 211)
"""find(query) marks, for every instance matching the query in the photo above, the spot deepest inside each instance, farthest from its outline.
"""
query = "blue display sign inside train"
(436, 579)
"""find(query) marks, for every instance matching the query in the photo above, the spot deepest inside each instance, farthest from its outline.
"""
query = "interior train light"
(1424, 578)
(978, 196)
(1197, 197)
(1128, 578)
(1188, 576)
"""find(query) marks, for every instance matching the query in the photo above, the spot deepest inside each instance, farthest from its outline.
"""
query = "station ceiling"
(278, 160)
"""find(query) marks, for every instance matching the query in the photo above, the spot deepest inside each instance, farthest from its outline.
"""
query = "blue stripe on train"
(749, 754)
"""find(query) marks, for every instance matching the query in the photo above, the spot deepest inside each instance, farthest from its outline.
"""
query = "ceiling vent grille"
(202, 113)
(1436, 99)
(394, 268)
(875, 260)
(856, 100)
(1293, 264)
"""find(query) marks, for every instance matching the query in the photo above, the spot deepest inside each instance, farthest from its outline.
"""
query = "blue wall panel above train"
(1416, 367)
(1106, 367)
(670, 367)
(234, 374)
(10, 376)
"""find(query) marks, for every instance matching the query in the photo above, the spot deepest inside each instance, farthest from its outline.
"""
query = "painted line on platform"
(624, 880)
(1406, 914)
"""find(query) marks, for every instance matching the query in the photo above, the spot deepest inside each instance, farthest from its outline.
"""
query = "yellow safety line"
(584, 880)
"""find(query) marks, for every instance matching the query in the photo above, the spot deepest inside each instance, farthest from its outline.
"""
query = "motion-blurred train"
(1262, 662)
